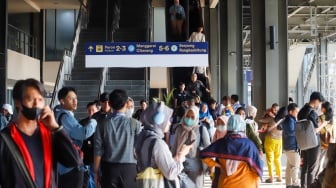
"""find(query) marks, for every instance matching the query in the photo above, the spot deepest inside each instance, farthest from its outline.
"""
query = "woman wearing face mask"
(221, 128)
(156, 121)
(189, 132)
(33, 143)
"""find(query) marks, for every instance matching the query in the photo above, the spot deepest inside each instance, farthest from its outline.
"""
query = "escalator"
(133, 27)
(193, 20)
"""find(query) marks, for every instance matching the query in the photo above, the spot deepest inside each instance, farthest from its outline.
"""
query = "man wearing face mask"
(64, 114)
(32, 144)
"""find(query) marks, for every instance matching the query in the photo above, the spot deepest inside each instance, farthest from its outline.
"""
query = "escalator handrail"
(66, 64)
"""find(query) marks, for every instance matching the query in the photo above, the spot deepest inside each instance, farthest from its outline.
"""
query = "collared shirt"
(289, 139)
(77, 132)
(114, 141)
(236, 105)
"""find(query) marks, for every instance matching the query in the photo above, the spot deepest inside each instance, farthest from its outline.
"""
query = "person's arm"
(169, 167)
(210, 162)
(96, 166)
(252, 136)
(314, 118)
(269, 129)
(290, 127)
(205, 137)
(182, 12)
(75, 129)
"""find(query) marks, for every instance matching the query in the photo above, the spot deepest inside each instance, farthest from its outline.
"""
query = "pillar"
(231, 74)
(212, 36)
(3, 50)
(269, 53)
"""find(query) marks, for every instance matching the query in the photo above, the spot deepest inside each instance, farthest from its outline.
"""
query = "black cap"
(316, 96)
(104, 97)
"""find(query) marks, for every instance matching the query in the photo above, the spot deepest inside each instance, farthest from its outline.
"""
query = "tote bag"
(305, 134)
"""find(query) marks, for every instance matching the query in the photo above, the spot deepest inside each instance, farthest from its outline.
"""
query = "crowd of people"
(117, 147)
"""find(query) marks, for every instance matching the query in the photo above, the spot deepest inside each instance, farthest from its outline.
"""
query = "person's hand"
(211, 170)
(97, 179)
(48, 119)
(261, 153)
(218, 165)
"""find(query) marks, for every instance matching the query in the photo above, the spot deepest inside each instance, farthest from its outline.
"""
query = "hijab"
(251, 111)
(188, 133)
(157, 115)
(236, 124)
(204, 114)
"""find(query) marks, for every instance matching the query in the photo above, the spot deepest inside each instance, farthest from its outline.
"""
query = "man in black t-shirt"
(310, 156)
(180, 95)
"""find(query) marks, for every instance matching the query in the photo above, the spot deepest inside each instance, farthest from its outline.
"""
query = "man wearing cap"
(5, 115)
(310, 156)
(105, 108)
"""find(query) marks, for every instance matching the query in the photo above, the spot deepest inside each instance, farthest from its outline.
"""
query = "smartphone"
(189, 142)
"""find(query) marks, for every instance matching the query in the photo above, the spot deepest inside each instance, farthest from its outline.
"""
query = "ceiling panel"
(25, 6)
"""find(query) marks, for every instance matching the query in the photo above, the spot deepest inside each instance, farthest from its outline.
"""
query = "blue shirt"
(76, 131)
(289, 139)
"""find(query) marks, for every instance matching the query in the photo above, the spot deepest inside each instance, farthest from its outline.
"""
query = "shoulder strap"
(201, 135)
(60, 118)
(18, 159)
(133, 123)
(150, 151)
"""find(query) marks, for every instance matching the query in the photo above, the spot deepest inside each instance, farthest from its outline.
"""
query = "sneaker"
(278, 180)
(269, 180)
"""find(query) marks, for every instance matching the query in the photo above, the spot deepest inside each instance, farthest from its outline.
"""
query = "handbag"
(305, 134)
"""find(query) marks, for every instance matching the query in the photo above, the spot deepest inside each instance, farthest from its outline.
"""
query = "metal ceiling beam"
(295, 11)
(327, 3)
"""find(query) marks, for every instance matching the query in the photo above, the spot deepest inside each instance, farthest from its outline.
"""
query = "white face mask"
(129, 112)
(221, 128)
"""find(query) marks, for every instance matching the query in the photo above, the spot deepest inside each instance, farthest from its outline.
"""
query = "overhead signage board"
(146, 54)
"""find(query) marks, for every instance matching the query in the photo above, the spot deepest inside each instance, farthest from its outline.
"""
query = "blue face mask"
(189, 122)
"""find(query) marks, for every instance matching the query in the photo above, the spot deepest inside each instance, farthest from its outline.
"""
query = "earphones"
(159, 116)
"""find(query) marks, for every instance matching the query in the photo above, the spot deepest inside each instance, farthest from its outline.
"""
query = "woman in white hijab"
(156, 121)
(190, 132)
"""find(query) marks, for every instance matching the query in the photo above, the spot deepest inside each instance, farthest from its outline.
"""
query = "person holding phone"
(156, 122)
(190, 132)
(32, 144)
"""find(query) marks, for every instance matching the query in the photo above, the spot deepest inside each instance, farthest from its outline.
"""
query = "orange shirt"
(243, 177)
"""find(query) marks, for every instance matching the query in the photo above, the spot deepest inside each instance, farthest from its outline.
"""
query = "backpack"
(151, 177)
(305, 134)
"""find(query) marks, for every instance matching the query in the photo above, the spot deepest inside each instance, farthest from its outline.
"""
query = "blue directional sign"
(146, 54)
